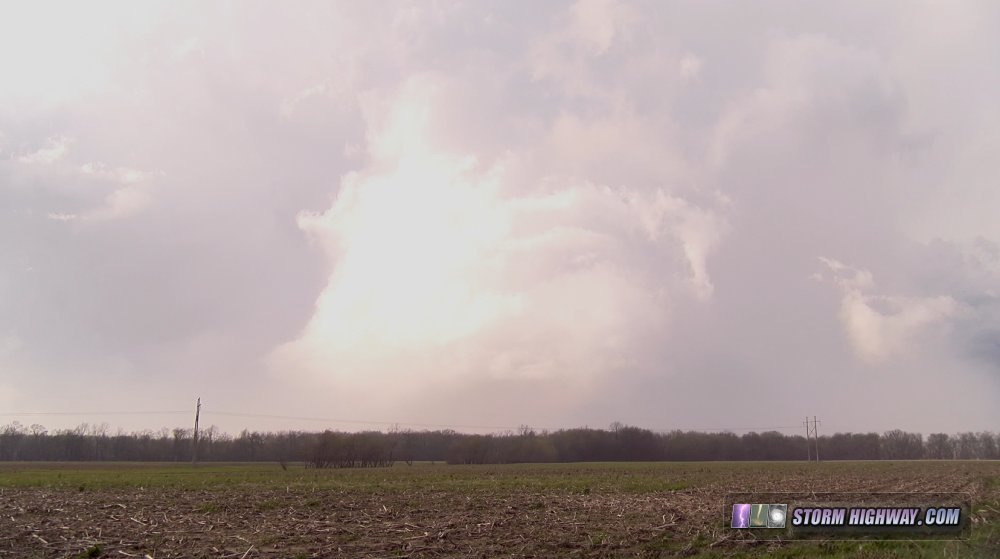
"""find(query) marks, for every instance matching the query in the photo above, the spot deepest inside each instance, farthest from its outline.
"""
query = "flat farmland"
(434, 510)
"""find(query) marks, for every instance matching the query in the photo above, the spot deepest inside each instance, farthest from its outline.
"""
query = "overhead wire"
(206, 412)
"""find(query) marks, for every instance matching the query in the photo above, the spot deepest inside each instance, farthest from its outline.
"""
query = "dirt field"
(572, 510)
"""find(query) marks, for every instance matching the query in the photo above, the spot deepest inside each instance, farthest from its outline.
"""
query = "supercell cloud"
(664, 214)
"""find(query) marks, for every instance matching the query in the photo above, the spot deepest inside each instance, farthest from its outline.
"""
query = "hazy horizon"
(682, 215)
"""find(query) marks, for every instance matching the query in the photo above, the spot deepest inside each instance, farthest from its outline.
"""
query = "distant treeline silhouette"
(374, 448)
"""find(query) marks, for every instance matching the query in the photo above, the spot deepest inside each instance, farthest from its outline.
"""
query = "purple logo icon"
(741, 515)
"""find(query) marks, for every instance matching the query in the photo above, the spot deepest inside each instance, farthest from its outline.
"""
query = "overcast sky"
(699, 215)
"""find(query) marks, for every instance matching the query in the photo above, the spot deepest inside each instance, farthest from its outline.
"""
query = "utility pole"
(815, 434)
(194, 451)
(808, 446)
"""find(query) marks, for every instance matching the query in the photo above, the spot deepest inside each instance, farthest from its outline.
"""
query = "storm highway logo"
(871, 516)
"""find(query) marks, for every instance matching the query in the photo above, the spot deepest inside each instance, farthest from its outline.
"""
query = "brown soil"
(161, 523)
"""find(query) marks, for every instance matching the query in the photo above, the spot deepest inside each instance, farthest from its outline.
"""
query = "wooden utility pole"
(194, 448)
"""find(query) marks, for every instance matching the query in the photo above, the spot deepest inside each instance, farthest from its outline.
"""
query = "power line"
(775, 428)
(209, 411)
(452, 425)
(96, 413)
(356, 421)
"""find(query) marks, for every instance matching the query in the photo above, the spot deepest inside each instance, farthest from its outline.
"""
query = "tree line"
(335, 449)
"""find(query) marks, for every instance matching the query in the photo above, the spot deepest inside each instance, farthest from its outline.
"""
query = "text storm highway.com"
(850, 516)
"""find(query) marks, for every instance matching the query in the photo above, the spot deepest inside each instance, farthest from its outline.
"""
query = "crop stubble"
(593, 510)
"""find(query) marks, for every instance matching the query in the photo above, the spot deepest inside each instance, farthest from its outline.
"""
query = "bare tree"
(939, 447)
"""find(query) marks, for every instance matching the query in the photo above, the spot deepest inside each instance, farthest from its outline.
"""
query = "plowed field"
(425, 510)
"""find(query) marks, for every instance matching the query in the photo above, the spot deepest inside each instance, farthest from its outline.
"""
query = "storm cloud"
(664, 214)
